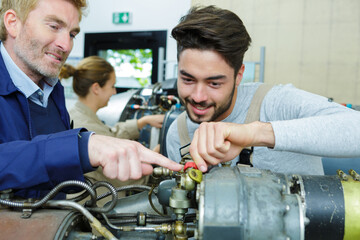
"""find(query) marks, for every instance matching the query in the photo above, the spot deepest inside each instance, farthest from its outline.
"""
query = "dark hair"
(212, 28)
(90, 70)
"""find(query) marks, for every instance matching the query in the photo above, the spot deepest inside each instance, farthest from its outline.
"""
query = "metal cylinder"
(248, 203)
(324, 207)
(351, 190)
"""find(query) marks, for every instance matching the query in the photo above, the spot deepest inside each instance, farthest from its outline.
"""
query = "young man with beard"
(295, 127)
(38, 150)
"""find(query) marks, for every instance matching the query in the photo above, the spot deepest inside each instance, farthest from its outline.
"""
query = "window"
(136, 56)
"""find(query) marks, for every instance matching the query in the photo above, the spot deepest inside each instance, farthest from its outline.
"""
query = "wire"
(50, 195)
(92, 220)
(151, 202)
(83, 195)
(124, 188)
(114, 194)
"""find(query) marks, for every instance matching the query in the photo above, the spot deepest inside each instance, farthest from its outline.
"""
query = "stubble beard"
(218, 111)
(31, 54)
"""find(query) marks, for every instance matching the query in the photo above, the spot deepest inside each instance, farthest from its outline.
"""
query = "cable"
(151, 203)
(114, 194)
(92, 220)
(84, 194)
(124, 188)
(51, 194)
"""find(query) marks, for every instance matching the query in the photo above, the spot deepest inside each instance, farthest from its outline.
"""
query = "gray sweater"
(306, 127)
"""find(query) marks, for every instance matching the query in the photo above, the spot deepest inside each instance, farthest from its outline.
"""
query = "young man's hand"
(216, 142)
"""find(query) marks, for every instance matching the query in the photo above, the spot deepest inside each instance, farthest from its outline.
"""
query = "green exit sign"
(121, 17)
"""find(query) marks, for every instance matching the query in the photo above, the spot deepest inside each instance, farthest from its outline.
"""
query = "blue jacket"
(32, 165)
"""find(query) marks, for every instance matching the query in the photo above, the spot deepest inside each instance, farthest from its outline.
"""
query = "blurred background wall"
(313, 44)
(145, 15)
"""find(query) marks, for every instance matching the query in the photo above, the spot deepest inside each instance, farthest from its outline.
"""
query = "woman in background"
(93, 82)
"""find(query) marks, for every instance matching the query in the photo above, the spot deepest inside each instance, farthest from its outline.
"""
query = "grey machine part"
(227, 203)
(248, 203)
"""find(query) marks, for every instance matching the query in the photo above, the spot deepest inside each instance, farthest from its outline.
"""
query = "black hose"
(124, 188)
(123, 221)
(133, 219)
(114, 194)
(117, 215)
(84, 194)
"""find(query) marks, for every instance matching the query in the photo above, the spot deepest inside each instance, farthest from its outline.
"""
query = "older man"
(38, 148)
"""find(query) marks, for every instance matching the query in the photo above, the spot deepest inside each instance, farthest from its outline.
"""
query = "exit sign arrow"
(121, 18)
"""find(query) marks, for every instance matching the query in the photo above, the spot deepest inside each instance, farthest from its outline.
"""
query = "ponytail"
(67, 71)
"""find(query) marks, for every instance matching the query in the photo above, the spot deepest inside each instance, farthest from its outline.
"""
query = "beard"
(219, 109)
(32, 56)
